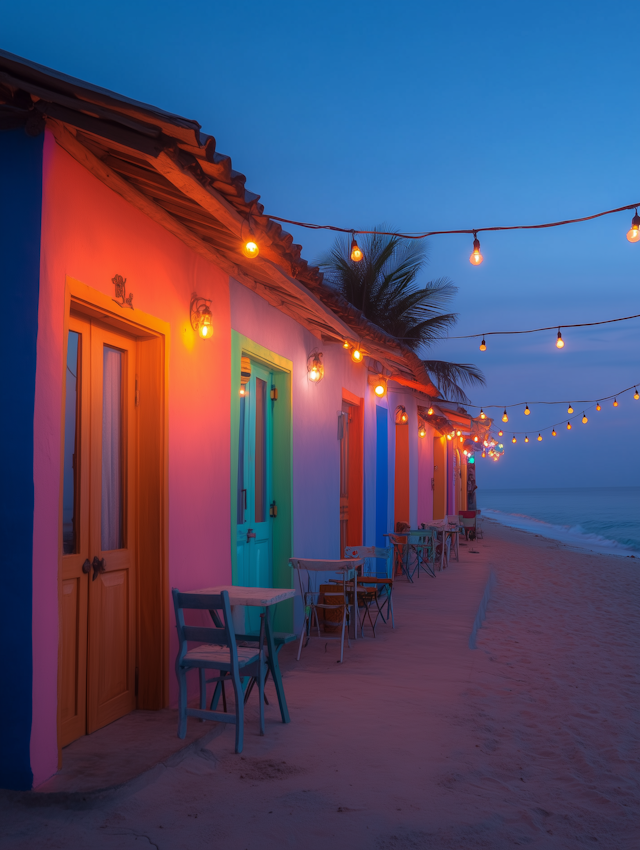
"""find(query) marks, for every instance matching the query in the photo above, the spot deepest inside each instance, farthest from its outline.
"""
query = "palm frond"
(450, 377)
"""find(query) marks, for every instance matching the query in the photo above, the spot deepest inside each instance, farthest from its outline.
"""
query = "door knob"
(250, 533)
(86, 567)
(98, 567)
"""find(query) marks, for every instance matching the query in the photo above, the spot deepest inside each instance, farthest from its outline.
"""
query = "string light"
(570, 409)
(584, 418)
(356, 355)
(422, 431)
(448, 436)
(505, 418)
(541, 330)
(615, 402)
(598, 406)
(553, 433)
(513, 439)
(526, 439)
(527, 411)
(636, 395)
(500, 432)
(476, 257)
(634, 233)
(461, 439)
(559, 341)
(539, 438)
(483, 415)
(458, 433)
(430, 412)
(475, 439)
(346, 344)
(483, 345)
(356, 252)
(568, 426)
(484, 454)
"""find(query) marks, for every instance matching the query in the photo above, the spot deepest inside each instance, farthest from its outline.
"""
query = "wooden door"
(402, 498)
(439, 477)
(97, 616)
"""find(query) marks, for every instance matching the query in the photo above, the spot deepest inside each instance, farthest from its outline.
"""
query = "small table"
(261, 597)
(452, 530)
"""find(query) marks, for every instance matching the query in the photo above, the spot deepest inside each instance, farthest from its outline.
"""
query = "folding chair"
(469, 523)
(382, 585)
(420, 552)
(455, 520)
(312, 605)
(219, 651)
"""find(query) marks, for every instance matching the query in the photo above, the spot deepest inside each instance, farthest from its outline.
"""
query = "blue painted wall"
(382, 475)
(20, 212)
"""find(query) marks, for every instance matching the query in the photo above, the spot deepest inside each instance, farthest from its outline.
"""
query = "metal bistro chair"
(219, 651)
(455, 520)
(312, 605)
(420, 552)
(381, 585)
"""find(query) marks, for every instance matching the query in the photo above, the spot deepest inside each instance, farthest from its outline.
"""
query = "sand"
(418, 741)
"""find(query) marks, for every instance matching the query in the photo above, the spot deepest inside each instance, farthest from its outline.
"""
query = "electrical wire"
(572, 401)
(538, 330)
(474, 230)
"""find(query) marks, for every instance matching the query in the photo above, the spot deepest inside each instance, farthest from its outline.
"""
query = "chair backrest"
(468, 514)
(372, 552)
(224, 635)
(453, 520)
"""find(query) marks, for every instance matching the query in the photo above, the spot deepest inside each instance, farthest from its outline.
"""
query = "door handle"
(98, 567)
(250, 533)
(86, 567)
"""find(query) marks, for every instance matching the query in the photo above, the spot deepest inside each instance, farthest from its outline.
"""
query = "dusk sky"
(425, 116)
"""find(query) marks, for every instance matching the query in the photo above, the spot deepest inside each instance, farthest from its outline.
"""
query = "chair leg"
(237, 689)
(344, 621)
(390, 608)
(302, 636)
(182, 702)
(261, 680)
(203, 691)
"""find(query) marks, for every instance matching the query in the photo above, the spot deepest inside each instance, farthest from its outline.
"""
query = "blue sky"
(424, 116)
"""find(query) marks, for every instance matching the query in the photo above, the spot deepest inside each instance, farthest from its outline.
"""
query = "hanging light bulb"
(636, 395)
(539, 438)
(250, 247)
(526, 439)
(513, 440)
(476, 257)
(615, 402)
(568, 426)
(422, 431)
(357, 355)
(570, 409)
(430, 412)
(346, 344)
(475, 439)
(483, 415)
(483, 345)
(527, 412)
(500, 432)
(634, 233)
(458, 433)
(380, 386)
(584, 418)
(461, 439)
(484, 454)
(448, 436)
(553, 433)
(505, 418)
(356, 251)
(559, 341)
(598, 406)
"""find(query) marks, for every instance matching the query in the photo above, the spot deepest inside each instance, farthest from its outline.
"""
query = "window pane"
(261, 450)
(112, 501)
(71, 444)
(242, 493)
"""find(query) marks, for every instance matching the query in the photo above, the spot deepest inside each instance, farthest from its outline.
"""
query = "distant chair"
(381, 585)
(469, 523)
(220, 652)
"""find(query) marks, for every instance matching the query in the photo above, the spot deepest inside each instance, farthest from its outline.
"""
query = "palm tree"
(385, 288)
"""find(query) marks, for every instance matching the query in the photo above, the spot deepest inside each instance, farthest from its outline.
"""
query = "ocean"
(597, 518)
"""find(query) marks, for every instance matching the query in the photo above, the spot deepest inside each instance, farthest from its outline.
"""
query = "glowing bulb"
(500, 433)
(448, 436)
(526, 439)
(356, 252)
(568, 426)
(204, 331)
(380, 387)
(584, 418)
(615, 402)
(539, 438)
(464, 452)
(484, 454)
(553, 433)
(636, 395)
(559, 341)
(430, 412)
(250, 249)
(485, 443)
(570, 409)
(422, 432)
(483, 345)
(475, 439)
(483, 415)
(461, 439)
(356, 355)
(458, 433)
(346, 344)
(404, 417)
(598, 406)
(505, 418)
(514, 439)
(527, 411)
(634, 234)
(379, 390)
(476, 257)
(243, 391)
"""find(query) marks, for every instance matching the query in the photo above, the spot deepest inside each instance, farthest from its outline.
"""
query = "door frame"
(282, 464)
(145, 328)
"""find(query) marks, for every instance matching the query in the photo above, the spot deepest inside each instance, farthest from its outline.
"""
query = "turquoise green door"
(255, 488)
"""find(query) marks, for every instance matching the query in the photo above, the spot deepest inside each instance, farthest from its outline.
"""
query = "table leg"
(272, 662)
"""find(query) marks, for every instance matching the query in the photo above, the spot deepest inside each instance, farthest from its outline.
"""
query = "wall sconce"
(379, 385)
(401, 415)
(315, 367)
(245, 374)
(201, 316)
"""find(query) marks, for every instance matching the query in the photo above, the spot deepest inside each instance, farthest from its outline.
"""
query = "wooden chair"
(219, 651)
(381, 585)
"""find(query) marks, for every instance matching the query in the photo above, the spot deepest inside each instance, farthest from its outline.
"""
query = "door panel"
(439, 477)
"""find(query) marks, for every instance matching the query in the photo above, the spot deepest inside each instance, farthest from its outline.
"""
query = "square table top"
(256, 596)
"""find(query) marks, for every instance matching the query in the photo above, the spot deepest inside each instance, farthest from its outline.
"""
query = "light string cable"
(561, 401)
(539, 330)
(473, 230)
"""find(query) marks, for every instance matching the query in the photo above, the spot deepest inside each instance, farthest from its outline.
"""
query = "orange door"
(98, 629)
(439, 477)
(401, 491)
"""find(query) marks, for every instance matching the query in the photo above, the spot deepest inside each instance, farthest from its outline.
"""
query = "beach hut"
(186, 404)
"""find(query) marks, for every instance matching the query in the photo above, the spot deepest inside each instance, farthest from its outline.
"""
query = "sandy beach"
(418, 740)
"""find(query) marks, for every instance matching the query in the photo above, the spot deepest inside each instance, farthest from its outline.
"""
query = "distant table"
(261, 597)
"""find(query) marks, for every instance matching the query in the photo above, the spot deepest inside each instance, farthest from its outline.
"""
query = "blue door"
(255, 489)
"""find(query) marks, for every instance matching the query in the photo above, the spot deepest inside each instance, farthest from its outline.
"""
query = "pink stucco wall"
(90, 233)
